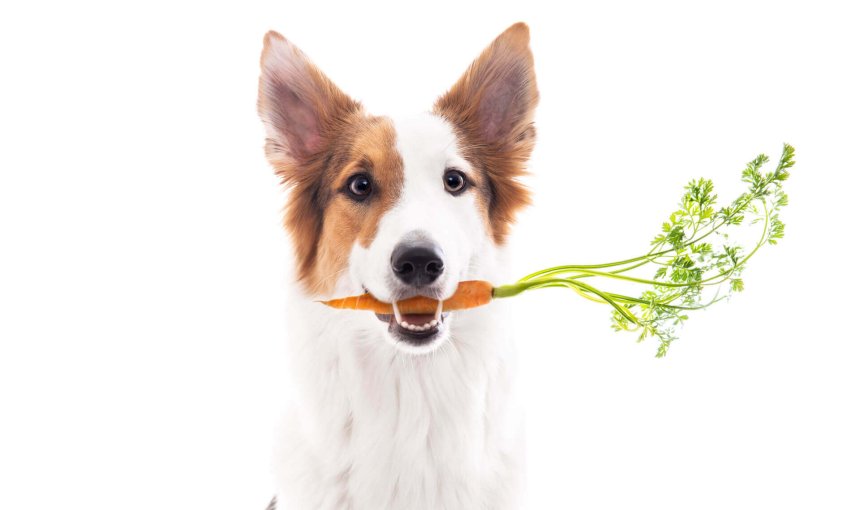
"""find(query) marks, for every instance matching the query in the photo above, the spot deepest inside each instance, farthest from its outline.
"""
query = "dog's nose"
(417, 263)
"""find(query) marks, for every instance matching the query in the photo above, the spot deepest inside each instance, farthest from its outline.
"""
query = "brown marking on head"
(492, 109)
(317, 138)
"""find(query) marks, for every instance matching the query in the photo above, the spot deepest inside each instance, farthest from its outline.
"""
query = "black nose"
(417, 263)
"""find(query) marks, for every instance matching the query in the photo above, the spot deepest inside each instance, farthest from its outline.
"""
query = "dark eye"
(359, 186)
(455, 181)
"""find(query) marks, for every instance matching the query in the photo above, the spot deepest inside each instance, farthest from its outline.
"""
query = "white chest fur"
(372, 427)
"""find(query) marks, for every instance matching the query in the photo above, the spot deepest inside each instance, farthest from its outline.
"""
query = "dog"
(399, 411)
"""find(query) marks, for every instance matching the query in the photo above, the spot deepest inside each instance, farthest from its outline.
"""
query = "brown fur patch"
(317, 138)
(492, 109)
(369, 149)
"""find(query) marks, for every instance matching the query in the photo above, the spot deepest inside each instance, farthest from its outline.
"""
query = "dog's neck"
(383, 428)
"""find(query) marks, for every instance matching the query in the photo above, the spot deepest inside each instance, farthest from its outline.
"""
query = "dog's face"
(399, 208)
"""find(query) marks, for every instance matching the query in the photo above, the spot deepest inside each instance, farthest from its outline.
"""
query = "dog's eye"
(455, 181)
(359, 186)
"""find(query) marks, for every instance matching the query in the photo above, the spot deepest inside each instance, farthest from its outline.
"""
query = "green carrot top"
(696, 260)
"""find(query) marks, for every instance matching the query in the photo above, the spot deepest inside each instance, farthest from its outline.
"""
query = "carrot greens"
(696, 260)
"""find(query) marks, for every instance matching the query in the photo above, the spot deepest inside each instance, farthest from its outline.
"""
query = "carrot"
(469, 294)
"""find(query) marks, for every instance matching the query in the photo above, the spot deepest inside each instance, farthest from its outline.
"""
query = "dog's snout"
(417, 263)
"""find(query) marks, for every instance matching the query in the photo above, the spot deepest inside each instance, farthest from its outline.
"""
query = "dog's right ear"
(300, 107)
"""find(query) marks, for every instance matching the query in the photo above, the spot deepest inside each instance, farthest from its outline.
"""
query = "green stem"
(645, 258)
(517, 288)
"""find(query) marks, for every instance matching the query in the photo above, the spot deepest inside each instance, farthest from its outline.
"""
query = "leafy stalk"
(696, 250)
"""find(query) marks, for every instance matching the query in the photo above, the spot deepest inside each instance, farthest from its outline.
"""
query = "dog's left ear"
(494, 100)
(492, 106)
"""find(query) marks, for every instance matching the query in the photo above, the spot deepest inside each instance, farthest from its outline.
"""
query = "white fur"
(377, 424)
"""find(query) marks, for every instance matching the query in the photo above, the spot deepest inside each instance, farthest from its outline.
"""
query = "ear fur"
(300, 107)
(492, 106)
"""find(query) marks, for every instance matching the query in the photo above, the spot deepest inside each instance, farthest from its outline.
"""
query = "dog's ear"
(300, 107)
(492, 106)
(494, 100)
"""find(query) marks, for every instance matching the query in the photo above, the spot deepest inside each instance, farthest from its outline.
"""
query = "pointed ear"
(494, 101)
(300, 107)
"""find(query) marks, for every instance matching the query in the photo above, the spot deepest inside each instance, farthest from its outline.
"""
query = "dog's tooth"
(404, 324)
(397, 316)
(438, 311)
(433, 323)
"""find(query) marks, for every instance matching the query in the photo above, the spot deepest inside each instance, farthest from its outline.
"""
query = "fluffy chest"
(373, 428)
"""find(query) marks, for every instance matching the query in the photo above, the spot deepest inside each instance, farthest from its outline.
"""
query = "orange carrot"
(469, 294)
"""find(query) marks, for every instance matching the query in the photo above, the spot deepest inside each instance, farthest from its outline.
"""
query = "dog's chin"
(421, 334)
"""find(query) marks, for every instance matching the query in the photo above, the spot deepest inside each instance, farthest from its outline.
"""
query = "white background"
(142, 263)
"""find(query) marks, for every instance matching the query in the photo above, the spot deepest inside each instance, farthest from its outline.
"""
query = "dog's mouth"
(414, 328)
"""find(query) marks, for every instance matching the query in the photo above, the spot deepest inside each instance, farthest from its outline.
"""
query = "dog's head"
(399, 208)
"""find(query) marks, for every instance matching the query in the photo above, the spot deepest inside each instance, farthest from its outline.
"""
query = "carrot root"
(469, 294)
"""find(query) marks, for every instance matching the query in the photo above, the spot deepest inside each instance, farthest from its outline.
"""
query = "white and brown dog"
(417, 413)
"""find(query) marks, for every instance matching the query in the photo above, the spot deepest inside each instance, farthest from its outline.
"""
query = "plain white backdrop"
(142, 262)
